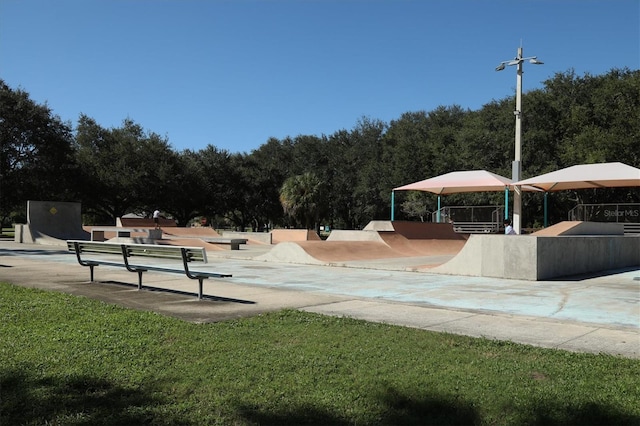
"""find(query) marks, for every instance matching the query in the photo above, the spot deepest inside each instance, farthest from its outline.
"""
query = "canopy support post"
(545, 209)
(393, 196)
(506, 202)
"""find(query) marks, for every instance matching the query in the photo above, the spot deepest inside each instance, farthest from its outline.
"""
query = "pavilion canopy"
(601, 175)
(461, 181)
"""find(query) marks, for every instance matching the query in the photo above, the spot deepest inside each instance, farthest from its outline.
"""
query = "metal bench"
(89, 254)
(476, 227)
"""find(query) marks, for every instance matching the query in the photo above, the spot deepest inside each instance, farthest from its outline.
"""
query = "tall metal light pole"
(516, 168)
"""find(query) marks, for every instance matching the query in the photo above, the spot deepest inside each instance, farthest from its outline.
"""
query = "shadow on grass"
(395, 408)
(590, 414)
(77, 400)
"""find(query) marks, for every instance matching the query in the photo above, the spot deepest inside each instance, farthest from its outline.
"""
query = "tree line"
(343, 180)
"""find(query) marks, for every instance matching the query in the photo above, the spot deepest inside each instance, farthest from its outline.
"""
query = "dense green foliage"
(571, 120)
(72, 361)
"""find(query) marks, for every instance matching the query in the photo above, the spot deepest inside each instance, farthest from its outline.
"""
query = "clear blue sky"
(233, 73)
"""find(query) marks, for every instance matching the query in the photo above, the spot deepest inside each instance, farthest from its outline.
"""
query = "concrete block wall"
(573, 255)
(542, 258)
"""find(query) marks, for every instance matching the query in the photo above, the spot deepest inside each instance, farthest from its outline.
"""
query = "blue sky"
(232, 73)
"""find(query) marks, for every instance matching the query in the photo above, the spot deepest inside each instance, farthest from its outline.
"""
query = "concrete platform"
(596, 314)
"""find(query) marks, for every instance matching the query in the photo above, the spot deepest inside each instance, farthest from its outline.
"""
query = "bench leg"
(91, 272)
(235, 246)
(139, 271)
(200, 279)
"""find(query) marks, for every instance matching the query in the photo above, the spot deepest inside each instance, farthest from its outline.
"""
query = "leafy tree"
(186, 197)
(406, 148)
(257, 180)
(415, 206)
(36, 154)
(341, 177)
(372, 188)
(126, 169)
(218, 183)
(302, 198)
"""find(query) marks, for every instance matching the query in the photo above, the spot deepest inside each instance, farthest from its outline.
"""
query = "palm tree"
(302, 199)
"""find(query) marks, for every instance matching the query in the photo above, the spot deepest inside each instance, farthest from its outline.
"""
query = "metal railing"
(626, 213)
(471, 219)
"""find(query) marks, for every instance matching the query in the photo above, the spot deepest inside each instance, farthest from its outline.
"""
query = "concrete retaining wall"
(541, 258)
(572, 255)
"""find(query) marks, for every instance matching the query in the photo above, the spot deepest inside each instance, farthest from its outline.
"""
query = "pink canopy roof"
(461, 181)
(601, 175)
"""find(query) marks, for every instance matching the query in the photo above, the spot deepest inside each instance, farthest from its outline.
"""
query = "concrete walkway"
(594, 314)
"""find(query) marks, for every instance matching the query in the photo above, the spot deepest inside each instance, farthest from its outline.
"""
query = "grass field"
(66, 360)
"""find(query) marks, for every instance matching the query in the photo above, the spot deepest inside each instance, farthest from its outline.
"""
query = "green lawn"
(66, 360)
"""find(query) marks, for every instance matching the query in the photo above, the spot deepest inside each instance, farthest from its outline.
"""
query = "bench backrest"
(194, 254)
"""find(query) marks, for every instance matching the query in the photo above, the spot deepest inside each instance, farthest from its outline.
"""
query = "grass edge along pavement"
(70, 360)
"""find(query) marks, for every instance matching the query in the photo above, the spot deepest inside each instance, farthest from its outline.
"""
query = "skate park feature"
(567, 248)
(51, 223)
(562, 250)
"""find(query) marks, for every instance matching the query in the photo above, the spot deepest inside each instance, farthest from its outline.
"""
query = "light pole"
(516, 168)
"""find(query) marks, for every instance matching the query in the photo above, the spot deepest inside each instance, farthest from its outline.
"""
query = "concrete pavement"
(586, 314)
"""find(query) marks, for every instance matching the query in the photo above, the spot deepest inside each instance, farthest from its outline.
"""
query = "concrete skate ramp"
(190, 242)
(379, 240)
(427, 230)
(353, 235)
(191, 232)
(420, 247)
(541, 257)
(195, 236)
(324, 252)
(408, 239)
(51, 222)
(282, 235)
(582, 228)
(290, 252)
(143, 222)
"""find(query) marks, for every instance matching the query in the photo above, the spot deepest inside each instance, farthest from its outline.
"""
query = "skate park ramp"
(52, 223)
(144, 222)
(190, 232)
(581, 228)
(194, 237)
(569, 249)
(379, 240)
(282, 235)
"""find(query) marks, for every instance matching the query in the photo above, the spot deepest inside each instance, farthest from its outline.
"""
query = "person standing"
(156, 218)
